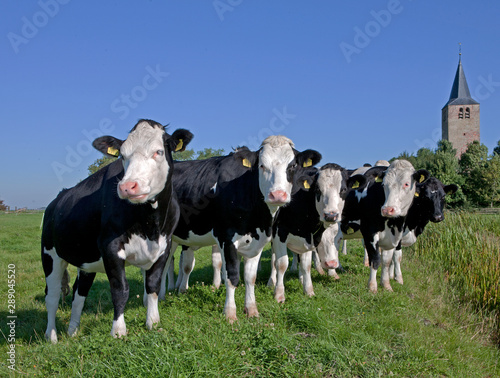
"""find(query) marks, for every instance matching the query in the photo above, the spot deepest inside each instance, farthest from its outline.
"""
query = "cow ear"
(450, 189)
(305, 182)
(246, 157)
(108, 145)
(356, 181)
(421, 175)
(179, 140)
(308, 158)
(380, 176)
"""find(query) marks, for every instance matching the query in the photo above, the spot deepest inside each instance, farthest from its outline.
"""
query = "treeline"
(476, 172)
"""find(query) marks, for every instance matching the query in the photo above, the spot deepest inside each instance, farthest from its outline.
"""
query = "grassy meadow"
(441, 322)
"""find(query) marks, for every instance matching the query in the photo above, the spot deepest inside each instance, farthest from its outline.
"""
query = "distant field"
(440, 323)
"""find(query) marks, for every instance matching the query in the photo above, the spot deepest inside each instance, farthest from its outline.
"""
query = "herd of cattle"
(140, 207)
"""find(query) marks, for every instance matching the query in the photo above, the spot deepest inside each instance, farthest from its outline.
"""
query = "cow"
(377, 213)
(300, 225)
(123, 214)
(231, 201)
(427, 206)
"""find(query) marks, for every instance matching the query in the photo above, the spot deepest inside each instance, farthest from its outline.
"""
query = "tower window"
(467, 112)
(461, 113)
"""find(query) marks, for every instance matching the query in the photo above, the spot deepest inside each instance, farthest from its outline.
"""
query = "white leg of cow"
(272, 277)
(386, 262)
(333, 273)
(366, 261)
(53, 282)
(80, 292)
(317, 263)
(295, 262)
(230, 305)
(217, 265)
(281, 265)
(251, 267)
(152, 314)
(344, 247)
(170, 268)
(396, 265)
(180, 275)
(305, 268)
(188, 261)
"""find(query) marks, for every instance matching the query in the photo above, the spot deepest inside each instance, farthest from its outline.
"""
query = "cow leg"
(251, 267)
(81, 289)
(54, 268)
(366, 260)
(396, 265)
(186, 266)
(281, 265)
(169, 271)
(217, 265)
(115, 270)
(371, 245)
(344, 247)
(272, 278)
(305, 270)
(232, 263)
(152, 285)
(317, 262)
(386, 262)
(295, 260)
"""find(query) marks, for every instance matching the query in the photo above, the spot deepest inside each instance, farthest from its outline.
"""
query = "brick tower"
(460, 115)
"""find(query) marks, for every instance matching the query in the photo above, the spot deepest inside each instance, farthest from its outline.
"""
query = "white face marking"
(275, 156)
(145, 164)
(329, 202)
(399, 187)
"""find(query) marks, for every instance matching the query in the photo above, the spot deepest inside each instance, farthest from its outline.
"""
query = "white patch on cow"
(434, 191)
(119, 328)
(143, 164)
(121, 254)
(409, 238)
(141, 252)
(327, 250)
(76, 312)
(152, 316)
(248, 246)
(196, 240)
(94, 267)
(361, 195)
(329, 183)
(214, 188)
(387, 239)
(274, 157)
(154, 205)
(399, 187)
(298, 244)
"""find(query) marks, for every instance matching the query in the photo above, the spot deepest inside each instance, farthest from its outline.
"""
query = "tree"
(100, 163)
(473, 163)
(496, 150)
(183, 155)
(491, 176)
(3, 207)
(209, 152)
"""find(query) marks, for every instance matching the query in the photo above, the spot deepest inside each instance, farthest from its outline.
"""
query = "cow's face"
(146, 157)
(330, 192)
(431, 198)
(399, 183)
(278, 162)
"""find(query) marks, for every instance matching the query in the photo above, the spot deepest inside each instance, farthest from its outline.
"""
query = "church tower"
(460, 115)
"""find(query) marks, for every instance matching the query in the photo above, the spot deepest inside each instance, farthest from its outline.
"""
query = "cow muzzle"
(437, 218)
(278, 197)
(333, 264)
(388, 211)
(331, 217)
(130, 190)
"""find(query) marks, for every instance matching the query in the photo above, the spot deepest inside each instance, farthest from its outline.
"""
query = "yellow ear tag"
(307, 163)
(246, 163)
(306, 185)
(179, 145)
(378, 179)
(422, 179)
(350, 231)
(416, 194)
(113, 151)
(356, 185)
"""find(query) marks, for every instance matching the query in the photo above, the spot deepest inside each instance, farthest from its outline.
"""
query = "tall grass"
(466, 246)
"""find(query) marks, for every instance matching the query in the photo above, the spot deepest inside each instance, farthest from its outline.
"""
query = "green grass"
(428, 327)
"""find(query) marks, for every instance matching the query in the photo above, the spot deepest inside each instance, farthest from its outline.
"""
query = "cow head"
(278, 162)
(147, 158)
(430, 197)
(331, 187)
(399, 182)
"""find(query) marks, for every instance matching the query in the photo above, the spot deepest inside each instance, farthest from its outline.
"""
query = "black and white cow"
(427, 206)
(300, 225)
(377, 213)
(231, 201)
(123, 214)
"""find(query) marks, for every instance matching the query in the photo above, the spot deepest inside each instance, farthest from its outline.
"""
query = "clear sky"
(356, 80)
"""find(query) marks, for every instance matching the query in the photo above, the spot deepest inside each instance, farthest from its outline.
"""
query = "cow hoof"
(373, 288)
(51, 336)
(183, 290)
(72, 330)
(367, 264)
(333, 273)
(151, 322)
(251, 312)
(320, 271)
(231, 319)
(230, 315)
(388, 287)
(310, 294)
(399, 280)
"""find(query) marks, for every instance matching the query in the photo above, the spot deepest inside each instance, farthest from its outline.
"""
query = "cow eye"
(407, 185)
(158, 153)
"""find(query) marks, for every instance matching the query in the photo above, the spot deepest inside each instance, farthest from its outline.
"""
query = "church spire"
(460, 94)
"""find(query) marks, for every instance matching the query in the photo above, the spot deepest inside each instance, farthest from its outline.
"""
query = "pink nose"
(388, 211)
(278, 196)
(332, 264)
(129, 188)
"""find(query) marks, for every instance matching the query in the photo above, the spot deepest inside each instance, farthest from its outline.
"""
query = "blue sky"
(357, 80)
